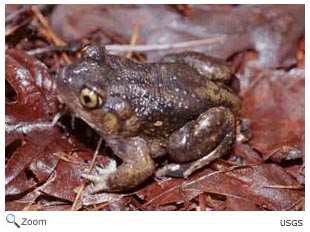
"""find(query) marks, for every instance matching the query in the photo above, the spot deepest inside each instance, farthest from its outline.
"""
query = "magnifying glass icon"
(10, 218)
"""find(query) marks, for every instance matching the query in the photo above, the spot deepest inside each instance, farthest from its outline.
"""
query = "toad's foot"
(136, 167)
(100, 176)
(172, 170)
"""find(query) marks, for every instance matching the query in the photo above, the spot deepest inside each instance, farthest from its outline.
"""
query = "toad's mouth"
(106, 124)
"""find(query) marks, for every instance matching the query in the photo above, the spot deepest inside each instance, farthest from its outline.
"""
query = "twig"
(92, 164)
(154, 47)
(133, 48)
(134, 37)
(62, 156)
(13, 29)
(53, 48)
(51, 36)
(292, 187)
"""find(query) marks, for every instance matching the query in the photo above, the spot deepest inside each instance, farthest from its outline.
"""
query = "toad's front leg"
(136, 167)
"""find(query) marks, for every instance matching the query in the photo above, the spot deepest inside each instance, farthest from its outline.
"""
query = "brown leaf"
(32, 142)
(66, 177)
(32, 83)
(274, 103)
(250, 184)
(272, 30)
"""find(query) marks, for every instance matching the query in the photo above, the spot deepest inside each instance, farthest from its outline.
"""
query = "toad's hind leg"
(211, 68)
(199, 142)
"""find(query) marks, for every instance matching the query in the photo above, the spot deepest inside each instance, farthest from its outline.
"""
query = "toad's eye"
(90, 99)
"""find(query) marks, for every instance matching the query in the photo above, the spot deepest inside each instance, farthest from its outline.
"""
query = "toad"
(181, 107)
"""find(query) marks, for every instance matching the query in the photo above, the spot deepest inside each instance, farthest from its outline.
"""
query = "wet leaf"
(272, 30)
(30, 95)
(266, 186)
(32, 142)
(274, 103)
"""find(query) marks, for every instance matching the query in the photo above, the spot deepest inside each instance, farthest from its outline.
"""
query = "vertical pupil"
(87, 99)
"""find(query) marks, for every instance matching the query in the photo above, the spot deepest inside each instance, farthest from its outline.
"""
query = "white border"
(155, 221)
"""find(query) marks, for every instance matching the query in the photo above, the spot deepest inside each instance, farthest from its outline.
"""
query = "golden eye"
(90, 99)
